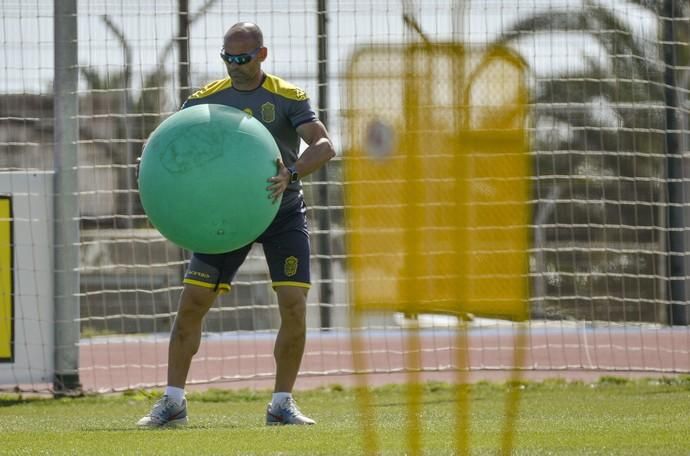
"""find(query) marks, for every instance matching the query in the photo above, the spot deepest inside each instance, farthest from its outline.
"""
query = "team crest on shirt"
(268, 112)
(290, 266)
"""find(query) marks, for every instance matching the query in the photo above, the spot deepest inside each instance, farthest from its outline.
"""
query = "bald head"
(244, 31)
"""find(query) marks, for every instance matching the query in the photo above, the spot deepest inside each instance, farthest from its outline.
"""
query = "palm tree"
(607, 166)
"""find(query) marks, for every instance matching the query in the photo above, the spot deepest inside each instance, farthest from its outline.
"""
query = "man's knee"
(292, 302)
(195, 301)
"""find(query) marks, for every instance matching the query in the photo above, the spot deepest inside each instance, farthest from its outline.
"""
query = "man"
(284, 109)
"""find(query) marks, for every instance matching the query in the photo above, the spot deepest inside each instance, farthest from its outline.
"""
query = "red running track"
(240, 360)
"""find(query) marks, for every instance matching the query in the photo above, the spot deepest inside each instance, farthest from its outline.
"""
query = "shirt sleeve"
(301, 112)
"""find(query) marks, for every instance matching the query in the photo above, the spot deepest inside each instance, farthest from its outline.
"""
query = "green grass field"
(610, 417)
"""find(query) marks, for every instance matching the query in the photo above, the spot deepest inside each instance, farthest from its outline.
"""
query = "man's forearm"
(314, 157)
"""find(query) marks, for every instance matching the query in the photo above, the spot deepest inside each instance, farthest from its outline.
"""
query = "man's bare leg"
(185, 336)
(289, 345)
(288, 352)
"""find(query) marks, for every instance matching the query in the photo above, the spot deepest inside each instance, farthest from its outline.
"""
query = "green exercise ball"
(203, 178)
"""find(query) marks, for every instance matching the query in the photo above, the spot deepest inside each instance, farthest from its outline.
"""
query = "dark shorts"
(286, 247)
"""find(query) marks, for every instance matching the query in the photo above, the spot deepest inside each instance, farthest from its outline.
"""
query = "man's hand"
(279, 182)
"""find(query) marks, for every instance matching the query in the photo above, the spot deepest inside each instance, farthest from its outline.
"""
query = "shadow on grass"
(129, 428)
(9, 401)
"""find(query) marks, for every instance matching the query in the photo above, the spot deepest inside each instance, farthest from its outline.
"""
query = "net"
(608, 87)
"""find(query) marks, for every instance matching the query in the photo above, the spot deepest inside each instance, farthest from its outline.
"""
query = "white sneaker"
(165, 413)
(286, 413)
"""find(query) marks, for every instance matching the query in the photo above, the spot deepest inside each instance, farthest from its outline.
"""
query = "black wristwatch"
(294, 175)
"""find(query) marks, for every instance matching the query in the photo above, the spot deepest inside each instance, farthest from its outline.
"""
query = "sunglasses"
(239, 59)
